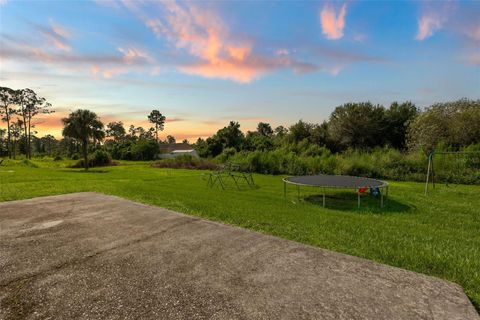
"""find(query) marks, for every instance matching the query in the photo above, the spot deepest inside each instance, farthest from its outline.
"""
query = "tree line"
(351, 126)
(83, 131)
(358, 126)
(18, 110)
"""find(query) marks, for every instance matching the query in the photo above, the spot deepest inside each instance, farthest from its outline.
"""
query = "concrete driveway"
(91, 256)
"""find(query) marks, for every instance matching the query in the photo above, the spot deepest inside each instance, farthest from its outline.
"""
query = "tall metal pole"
(433, 173)
(428, 172)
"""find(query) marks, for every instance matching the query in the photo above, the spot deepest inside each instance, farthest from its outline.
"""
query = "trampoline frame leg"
(358, 194)
(324, 197)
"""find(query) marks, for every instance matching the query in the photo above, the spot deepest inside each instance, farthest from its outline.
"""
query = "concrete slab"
(91, 256)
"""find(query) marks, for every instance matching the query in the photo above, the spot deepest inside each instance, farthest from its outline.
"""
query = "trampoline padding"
(336, 181)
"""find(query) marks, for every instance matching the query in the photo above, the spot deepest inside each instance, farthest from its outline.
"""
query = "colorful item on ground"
(375, 191)
(362, 190)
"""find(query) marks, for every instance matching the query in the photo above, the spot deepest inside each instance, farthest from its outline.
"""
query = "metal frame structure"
(383, 186)
(232, 171)
(430, 168)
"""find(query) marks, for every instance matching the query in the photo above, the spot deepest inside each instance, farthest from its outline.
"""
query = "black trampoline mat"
(336, 181)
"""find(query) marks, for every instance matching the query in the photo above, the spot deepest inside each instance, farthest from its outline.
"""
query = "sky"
(203, 64)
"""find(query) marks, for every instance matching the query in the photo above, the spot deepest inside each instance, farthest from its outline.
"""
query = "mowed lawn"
(438, 235)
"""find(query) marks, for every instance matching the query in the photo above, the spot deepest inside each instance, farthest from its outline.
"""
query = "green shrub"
(381, 163)
(100, 158)
(143, 150)
(185, 162)
(28, 163)
(57, 158)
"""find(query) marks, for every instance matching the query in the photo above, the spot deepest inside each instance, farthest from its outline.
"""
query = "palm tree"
(83, 125)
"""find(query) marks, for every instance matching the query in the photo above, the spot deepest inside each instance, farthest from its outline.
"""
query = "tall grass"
(380, 163)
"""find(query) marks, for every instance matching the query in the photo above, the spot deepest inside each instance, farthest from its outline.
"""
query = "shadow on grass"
(346, 201)
(85, 171)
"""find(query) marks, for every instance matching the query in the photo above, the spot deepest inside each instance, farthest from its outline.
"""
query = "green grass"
(438, 235)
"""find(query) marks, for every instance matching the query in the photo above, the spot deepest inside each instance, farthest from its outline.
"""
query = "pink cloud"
(56, 35)
(202, 33)
(224, 69)
(130, 55)
(428, 24)
(333, 24)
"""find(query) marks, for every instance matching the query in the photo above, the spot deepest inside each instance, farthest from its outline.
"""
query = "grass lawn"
(438, 235)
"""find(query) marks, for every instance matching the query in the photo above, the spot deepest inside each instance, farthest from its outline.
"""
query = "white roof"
(183, 151)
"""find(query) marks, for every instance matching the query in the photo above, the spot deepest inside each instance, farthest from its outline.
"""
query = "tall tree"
(358, 125)
(455, 123)
(83, 126)
(116, 130)
(300, 131)
(48, 143)
(7, 100)
(398, 118)
(3, 145)
(171, 139)
(264, 129)
(16, 129)
(280, 131)
(158, 120)
(231, 136)
(30, 105)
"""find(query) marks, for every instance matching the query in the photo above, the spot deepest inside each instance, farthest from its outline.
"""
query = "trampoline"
(361, 185)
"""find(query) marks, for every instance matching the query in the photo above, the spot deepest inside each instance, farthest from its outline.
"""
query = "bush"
(382, 163)
(99, 158)
(185, 162)
(28, 163)
(57, 158)
(143, 150)
(75, 156)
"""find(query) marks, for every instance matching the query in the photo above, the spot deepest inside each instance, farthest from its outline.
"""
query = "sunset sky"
(203, 64)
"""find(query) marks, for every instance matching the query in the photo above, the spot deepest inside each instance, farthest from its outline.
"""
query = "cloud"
(282, 52)
(203, 34)
(342, 56)
(427, 25)
(127, 59)
(449, 16)
(130, 55)
(56, 35)
(473, 58)
(3, 2)
(454, 19)
(333, 24)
